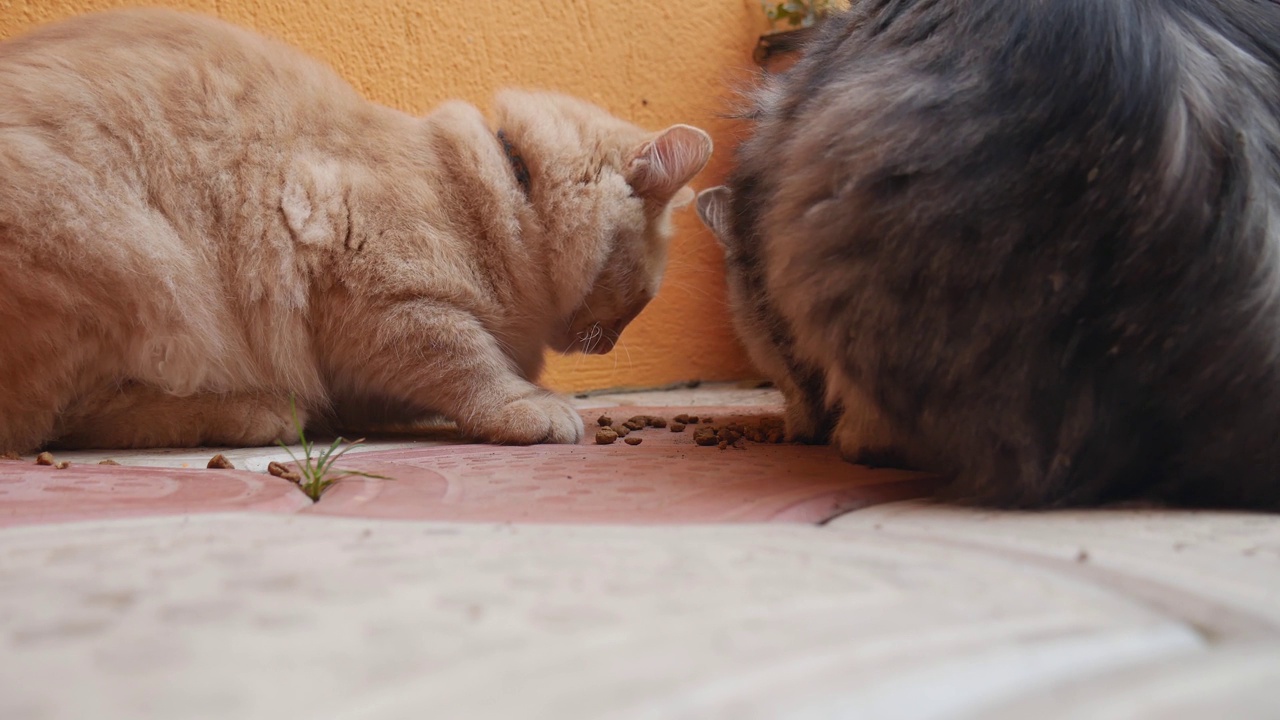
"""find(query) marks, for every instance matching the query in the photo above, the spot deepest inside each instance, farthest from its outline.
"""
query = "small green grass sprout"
(797, 13)
(316, 472)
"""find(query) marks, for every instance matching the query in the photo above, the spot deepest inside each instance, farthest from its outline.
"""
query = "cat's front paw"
(541, 418)
(807, 423)
(864, 438)
(257, 426)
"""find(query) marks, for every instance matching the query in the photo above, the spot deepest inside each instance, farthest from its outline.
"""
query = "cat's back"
(138, 27)
(120, 41)
(154, 64)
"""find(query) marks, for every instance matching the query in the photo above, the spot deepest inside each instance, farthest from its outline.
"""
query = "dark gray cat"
(763, 332)
(1031, 244)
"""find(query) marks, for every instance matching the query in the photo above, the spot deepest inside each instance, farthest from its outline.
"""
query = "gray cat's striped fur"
(1032, 245)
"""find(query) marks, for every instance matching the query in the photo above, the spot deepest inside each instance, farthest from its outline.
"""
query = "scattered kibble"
(10, 456)
(770, 430)
(220, 462)
(108, 461)
(730, 434)
(766, 430)
(46, 458)
(282, 471)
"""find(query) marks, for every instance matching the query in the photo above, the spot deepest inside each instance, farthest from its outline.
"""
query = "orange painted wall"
(654, 62)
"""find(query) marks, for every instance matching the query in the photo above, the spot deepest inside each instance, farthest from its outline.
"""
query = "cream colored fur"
(197, 223)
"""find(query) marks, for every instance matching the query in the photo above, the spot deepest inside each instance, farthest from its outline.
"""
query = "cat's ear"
(713, 210)
(665, 164)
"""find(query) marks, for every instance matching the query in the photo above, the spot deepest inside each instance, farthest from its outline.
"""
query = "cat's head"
(759, 326)
(603, 190)
(753, 320)
(744, 281)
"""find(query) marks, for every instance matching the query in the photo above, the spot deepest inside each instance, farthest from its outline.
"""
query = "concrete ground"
(664, 580)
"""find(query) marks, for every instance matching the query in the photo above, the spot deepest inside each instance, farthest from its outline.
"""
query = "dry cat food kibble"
(220, 462)
(764, 430)
(705, 436)
(730, 434)
(282, 471)
(44, 458)
(609, 434)
(10, 456)
(108, 461)
(769, 430)
(604, 420)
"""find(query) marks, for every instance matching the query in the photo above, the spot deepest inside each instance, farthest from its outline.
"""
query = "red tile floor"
(665, 479)
(661, 580)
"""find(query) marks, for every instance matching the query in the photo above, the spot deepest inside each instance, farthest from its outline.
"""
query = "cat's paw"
(541, 418)
(267, 427)
(252, 425)
(807, 424)
(865, 438)
(802, 430)
(876, 457)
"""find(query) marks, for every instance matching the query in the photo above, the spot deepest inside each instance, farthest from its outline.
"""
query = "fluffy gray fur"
(767, 339)
(1032, 245)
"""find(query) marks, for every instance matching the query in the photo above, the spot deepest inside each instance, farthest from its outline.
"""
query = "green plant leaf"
(317, 470)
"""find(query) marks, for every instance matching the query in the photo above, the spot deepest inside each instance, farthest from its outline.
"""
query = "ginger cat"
(198, 223)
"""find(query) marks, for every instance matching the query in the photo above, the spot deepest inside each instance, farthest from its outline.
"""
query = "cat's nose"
(613, 330)
(624, 321)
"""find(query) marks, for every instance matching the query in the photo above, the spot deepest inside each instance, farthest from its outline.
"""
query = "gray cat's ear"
(713, 210)
(667, 163)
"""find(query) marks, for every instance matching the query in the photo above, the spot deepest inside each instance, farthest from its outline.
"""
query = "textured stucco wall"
(654, 62)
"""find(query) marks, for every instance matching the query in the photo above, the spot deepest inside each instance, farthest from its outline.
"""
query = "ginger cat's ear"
(665, 164)
(713, 210)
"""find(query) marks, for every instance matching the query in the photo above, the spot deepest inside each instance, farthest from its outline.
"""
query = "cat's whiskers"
(593, 339)
(616, 355)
